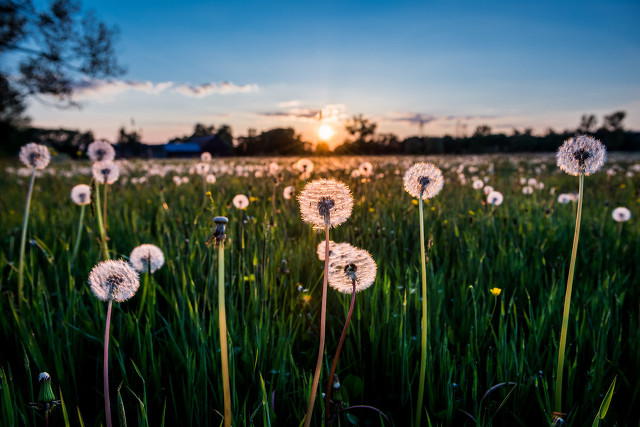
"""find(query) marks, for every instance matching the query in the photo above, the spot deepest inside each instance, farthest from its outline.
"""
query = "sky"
(451, 65)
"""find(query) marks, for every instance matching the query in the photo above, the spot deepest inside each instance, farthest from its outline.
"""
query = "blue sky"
(452, 64)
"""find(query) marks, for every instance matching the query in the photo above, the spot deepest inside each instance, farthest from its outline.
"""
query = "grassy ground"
(490, 359)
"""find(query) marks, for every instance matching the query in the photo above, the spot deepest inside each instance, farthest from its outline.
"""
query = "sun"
(325, 132)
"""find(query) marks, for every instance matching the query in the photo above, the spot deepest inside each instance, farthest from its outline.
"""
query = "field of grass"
(491, 359)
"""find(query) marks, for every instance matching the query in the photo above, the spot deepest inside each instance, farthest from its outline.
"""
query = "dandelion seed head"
(581, 154)
(35, 155)
(495, 198)
(81, 194)
(325, 202)
(211, 179)
(477, 184)
(99, 151)
(205, 157)
(241, 201)
(202, 168)
(423, 179)
(105, 171)
(334, 249)
(564, 198)
(527, 189)
(113, 280)
(366, 169)
(619, 214)
(288, 192)
(348, 265)
(146, 258)
(304, 166)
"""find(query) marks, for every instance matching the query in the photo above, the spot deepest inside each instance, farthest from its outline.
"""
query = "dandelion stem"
(23, 241)
(222, 319)
(327, 399)
(104, 207)
(107, 401)
(323, 309)
(567, 301)
(77, 245)
(103, 237)
(423, 354)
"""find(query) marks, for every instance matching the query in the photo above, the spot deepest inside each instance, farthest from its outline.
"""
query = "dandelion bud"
(219, 232)
(46, 393)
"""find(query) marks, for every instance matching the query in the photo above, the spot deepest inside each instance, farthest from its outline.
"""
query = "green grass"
(165, 355)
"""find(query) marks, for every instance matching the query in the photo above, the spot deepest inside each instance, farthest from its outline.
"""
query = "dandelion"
(495, 198)
(46, 398)
(288, 192)
(579, 156)
(35, 156)
(487, 189)
(423, 181)
(205, 157)
(112, 281)
(621, 214)
(99, 151)
(565, 198)
(532, 182)
(241, 201)
(477, 184)
(350, 271)
(334, 249)
(210, 179)
(304, 166)
(495, 291)
(527, 189)
(324, 203)
(81, 196)
(146, 258)
(366, 169)
(202, 168)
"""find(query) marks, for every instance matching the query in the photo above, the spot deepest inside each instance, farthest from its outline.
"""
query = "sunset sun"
(325, 132)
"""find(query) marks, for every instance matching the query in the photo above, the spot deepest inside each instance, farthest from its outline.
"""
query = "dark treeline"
(363, 141)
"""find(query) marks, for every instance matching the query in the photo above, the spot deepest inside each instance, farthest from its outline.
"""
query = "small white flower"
(487, 189)
(423, 179)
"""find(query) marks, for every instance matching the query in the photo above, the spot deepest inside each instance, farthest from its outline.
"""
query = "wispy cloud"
(106, 90)
(332, 113)
(209, 88)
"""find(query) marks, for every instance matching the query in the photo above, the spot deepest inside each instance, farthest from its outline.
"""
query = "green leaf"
(604, 407)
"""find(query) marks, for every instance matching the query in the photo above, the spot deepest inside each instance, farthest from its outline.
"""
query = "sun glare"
(325, 132)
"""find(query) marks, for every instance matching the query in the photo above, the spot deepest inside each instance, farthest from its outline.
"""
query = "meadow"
(491, 358)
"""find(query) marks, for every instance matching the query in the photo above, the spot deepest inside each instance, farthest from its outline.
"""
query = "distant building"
(182, 149)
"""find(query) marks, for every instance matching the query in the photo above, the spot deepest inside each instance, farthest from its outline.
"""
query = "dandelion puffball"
(81, 194)
(114, 280)
(241, 201)
(495, 198)
(351, 264)
(105, 172)
(527, 189)
(35, 155)
(334, 249)
(325, 202)
(423, 179)
(565, 198)
(620, 214)
(146, 258)
(304, 166)
(101, 150)
(366, 169)
(288, 192)
(205, 157)
(581, 155)
(477, 184)
(211, 179)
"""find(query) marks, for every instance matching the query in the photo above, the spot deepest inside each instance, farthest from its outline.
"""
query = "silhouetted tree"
(129, 142)
(613, 122)
(202, 130)
(71, 142)
(482, 130)
(279, 141)
(587, 123)
(361, 128)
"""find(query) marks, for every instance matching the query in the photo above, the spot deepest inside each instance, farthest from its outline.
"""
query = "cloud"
(332, 113)
(205, 89)
(289, 104)
(106, 90)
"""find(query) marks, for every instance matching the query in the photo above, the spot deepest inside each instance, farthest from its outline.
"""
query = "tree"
(482, 130)
(361, 128)
(587, 123)
(613, 122)
(51, 49)
(129, 142)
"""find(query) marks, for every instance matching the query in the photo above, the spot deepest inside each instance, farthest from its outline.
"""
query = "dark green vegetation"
(164, 355)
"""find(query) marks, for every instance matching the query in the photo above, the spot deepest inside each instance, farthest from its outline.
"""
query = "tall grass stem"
(567, 301)
(323, 309)
(77, 245)
(103, 236)
(23, 240)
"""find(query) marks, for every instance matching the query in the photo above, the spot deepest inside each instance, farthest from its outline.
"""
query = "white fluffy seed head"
(81, 194)
(241, 201)
(621, 214)
(288, 192)
(366, 169)
(423, 178)
(35, 155)
(211, 179)
(113, 280)
(101, 150)
(495, 198)
(334, 249)
(351, 264)
(105, 172)
(581, 155)
(146, 258)
(325, 202)
(205, 157)
(304, 166)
